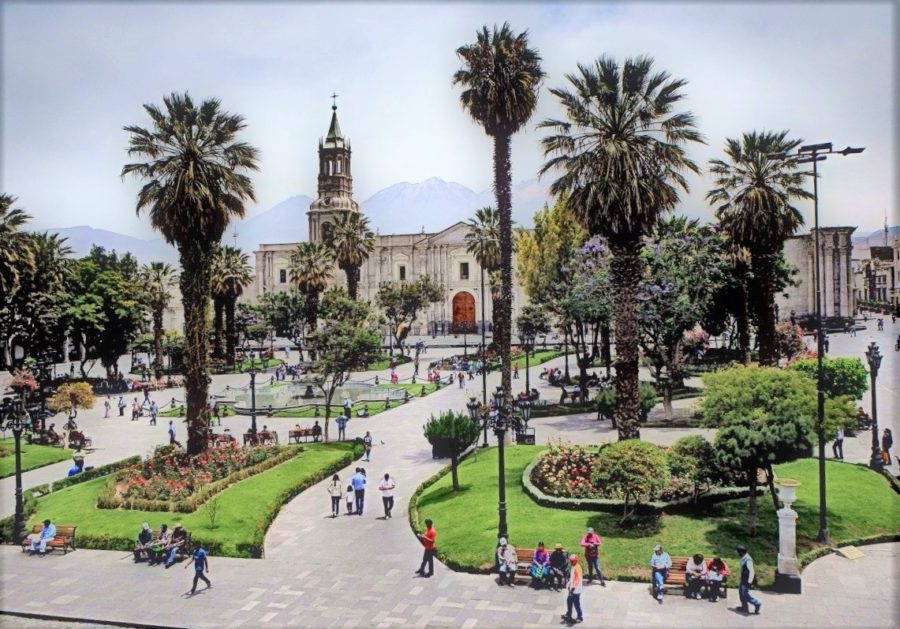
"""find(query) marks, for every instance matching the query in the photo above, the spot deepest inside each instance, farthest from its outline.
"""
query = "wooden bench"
(571, 393)
(64, 538)
(78, 440)
(524, 558)
(268, 438)
(677, 576)
(296, 434)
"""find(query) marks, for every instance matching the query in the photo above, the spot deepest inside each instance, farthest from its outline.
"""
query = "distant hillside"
(876, 238)
(83, 237)
(286, 222)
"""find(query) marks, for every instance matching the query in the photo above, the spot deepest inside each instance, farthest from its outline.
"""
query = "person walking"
(201, 565)
(358, 481)
(335, 491)
(386, 487)
(887, 442)
(349, 495)
(747, 576)
(428, 538)
(574, 587)
(838, 446)
(515, 371)
(341, 422)
(106, 407)
(367, 442)
(461, 378)
(154, 411)
(122, 406)
(591, 543)
(172, 440)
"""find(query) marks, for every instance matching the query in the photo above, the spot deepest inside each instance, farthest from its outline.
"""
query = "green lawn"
(240, 507)
(537, 358)
(383, 364)
(467, 521)
(32, 456)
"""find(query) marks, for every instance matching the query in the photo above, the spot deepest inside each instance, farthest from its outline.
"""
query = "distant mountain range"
(432, 205)
(876, 238)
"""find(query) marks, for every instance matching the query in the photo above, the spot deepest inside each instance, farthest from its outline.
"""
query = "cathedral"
(397, 257)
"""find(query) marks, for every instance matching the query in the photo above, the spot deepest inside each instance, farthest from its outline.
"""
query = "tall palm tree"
(351, 241)
(621, 158)
(157, 279)
(15, 253)
(311, 268)
(195, 183)
(501, 77)
(483, 241)
(753, 197)
(232, 275)
(739, 259)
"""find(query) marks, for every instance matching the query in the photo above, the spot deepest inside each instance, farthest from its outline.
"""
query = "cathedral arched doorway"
(463, 311)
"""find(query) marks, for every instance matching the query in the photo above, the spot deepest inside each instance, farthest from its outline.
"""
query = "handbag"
(537, 571)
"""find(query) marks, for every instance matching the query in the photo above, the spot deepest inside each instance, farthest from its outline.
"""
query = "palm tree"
(158, 278)
(621, 160)
(233, 274)
(351, 241)
(15, 253)
(195, 183)
(483, 241)
(311, 267)
(501, 77)
(753, 194)
(739, 259)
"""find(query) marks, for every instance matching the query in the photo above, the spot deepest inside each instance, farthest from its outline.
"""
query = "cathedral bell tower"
(335, 193)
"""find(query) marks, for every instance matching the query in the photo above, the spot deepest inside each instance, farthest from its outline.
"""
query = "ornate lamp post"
(526, 337)
(473, 406)
(873, 357)
(14, 415)
(500, 423)
(253, 392)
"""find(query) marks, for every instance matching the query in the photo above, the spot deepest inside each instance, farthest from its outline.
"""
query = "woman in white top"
(335, 490)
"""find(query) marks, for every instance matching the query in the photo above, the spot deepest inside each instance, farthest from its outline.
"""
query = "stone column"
(846, 289)
(811, 280)
(828, 280)
(787, 574)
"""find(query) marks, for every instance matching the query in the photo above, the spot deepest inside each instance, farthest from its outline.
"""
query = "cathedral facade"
(442, 255)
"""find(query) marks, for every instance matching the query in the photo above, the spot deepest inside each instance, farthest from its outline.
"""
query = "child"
(350, 497)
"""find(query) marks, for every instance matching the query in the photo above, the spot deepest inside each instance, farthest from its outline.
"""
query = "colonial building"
(397, 257)
(835, 253)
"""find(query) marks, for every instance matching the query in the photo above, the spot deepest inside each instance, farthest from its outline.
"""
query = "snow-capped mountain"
(407, 207)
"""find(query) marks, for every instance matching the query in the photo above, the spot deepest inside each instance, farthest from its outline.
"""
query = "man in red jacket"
(427, 538)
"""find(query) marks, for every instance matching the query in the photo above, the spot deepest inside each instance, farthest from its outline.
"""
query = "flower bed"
(171, 480)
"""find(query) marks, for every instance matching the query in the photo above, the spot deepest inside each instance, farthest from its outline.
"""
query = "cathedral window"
(282, 276)
(402, 272)
(463, 270)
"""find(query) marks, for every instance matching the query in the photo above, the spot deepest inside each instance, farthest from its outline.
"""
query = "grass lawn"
(240, 506)
(537, 358)
(383, 364)
(244, 365)
(467, 520)
(33, 456)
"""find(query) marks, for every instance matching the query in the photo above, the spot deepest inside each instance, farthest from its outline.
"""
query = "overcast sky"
(74, 74)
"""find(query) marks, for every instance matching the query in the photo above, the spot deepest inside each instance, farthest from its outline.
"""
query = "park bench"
(184, 549)
(524, 557)
(78, 441)
(677, 576)
(296, 434)
(64, 538)
(217, 440)
(573, 393)
(261, 438)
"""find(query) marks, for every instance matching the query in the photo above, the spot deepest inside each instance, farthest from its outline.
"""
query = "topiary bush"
(632, 471)
(691, 464)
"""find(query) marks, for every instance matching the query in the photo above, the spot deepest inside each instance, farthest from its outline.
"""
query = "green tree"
(690, 458)
(157, 281)
(764, 415)
(451, 434)
(621, 158)
(840, 376)
(631, 470)
(195, 182)
(124, 264)
(351, 242)
(284, 312)
(15, 253)
(501, 77)
(232, 273)
(483, 241)
(606, 402)
(347, 341)
(753, 195)
(71, 396)
(311, 267)
(401, 302)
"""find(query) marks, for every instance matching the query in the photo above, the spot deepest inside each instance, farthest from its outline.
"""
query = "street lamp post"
(483, 346)
(815, 153)
(252, 392)
(873, 357)
(14, 414)
(473, 407)
(500, 424)
(526, 336)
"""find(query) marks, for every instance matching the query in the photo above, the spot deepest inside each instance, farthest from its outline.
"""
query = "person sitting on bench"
(540, 567)
(559, 567)
(142, 545)
(716, 571)
(40, 540)
(507, 562)
(694, 576)
(316, 430)
(179, 537)
(157, 547)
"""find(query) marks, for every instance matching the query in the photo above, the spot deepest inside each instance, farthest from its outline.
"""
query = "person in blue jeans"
(660, 563)
(201, 565)
(178, 539)
(358, 481)
(747, 576)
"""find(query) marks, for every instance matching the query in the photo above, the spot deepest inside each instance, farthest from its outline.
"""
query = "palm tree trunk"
(503, 318)
(605, 348)
(312, 310)
(217, 327)
(743, 319)
(352, 281)
(195, 283)
(764, 263)
(157, 342)
(626, 271)
(230, 332)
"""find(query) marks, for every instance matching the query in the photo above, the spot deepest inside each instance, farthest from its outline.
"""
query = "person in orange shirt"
(574, 587)
(427, 538)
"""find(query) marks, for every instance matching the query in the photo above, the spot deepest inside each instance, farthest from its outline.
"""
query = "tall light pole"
(483, 343)
(873, 357)
(526, 337)
(815, 153)
(253, 393)
(15, 415)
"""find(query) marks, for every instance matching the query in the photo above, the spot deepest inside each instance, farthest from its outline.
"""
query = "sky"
(74, 74)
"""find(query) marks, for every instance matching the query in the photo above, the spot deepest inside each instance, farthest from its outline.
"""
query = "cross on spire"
(334, 101)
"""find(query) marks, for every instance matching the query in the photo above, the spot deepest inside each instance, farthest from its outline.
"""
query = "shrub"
(691, 460)
(631, 470)
(788, 340)
(840, 376)
(566, 471)
(452, 433)
(606, 400)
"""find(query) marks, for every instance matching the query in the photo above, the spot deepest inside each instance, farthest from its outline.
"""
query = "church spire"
(334, 130)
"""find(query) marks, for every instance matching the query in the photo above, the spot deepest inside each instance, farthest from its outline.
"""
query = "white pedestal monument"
(787, 574)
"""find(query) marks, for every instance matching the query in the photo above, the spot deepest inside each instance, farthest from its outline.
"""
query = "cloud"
(74, 74)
